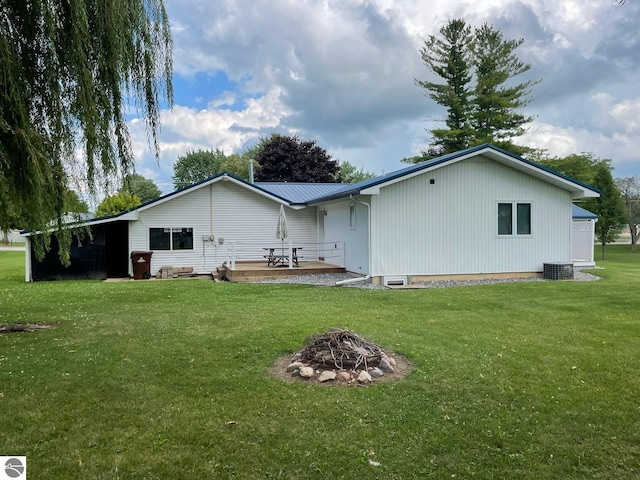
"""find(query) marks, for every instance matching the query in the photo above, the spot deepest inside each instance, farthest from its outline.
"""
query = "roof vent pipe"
(251, 170)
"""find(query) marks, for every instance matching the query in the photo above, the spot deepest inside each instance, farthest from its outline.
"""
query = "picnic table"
(279, 256)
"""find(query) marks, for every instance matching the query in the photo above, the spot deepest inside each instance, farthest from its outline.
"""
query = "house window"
(171, 238)
(160, 238)
(505, 222)
(352, 216)
(508, 223)
(524, 219)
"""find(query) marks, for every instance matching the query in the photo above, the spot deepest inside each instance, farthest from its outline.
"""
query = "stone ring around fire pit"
(341, 357)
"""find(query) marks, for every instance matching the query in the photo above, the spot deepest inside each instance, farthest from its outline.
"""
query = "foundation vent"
(395, 281)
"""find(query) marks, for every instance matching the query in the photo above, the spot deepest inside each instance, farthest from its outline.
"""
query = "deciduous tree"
(70, 70)
(117, 203)
(349, 173)
(630, 190)
(608, 207)
(144, 188)
(195, 166)
(199, 165)
(582, 167)
(288, 159)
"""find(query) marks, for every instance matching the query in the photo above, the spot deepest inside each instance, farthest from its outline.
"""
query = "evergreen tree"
(69, 69)
(482, 104)
(496, 106)
(448, 58)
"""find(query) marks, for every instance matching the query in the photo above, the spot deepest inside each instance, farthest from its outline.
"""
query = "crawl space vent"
(558, 271)
(395, 281)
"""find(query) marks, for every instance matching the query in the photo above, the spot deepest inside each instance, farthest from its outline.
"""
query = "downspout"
(211, 229)
(368, 276)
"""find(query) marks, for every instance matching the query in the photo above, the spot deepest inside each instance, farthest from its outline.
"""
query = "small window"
(508, 223)
(352, 216)
(159, 239)
(171, 238)
(524, 219)
(505, 222)
(182, 238)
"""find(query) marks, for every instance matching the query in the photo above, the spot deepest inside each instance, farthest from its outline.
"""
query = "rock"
(376, 372)
(327, 375)
(392, 361)
(295, 365)
(385, 365)
(343, 376)
(306, 372)
(364, 377)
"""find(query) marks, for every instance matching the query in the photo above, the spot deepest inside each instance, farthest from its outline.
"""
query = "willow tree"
(71, 72)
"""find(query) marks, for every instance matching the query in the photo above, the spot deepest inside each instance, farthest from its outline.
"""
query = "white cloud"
(342, 72)
(624, 114)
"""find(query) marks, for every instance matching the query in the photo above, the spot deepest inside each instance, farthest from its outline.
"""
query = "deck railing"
(329, 252)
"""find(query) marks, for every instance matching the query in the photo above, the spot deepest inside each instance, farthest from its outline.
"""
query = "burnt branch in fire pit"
(341, 348)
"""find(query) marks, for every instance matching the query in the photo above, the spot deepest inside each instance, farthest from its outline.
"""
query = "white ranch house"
(481, 212)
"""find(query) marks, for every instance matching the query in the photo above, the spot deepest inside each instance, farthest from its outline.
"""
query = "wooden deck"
(256, 271)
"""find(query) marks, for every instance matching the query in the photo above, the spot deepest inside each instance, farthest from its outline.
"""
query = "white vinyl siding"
(449, 227)
(337, 228)
(238, 215)
(244, 216)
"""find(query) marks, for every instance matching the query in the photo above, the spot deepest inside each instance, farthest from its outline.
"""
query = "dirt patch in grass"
(25, 327)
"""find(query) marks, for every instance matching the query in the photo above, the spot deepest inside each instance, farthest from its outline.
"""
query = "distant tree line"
(277, 158)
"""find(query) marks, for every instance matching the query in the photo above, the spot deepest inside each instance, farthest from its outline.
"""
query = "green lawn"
(511, 381)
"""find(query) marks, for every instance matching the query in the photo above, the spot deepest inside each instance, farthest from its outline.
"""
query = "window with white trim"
(514, 218)
(171, 239)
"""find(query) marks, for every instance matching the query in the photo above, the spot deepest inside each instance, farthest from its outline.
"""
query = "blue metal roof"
(582, 214)
(371, 182)
(308, 193)
(301, 192)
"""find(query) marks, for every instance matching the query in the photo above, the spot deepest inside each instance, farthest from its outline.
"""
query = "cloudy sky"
(342, 72)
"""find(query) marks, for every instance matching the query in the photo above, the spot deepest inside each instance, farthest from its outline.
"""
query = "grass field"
(141, 379)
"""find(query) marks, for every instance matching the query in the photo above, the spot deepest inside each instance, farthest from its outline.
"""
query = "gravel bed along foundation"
(330, 279)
